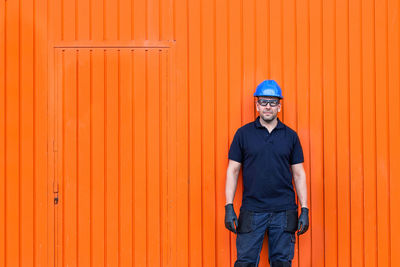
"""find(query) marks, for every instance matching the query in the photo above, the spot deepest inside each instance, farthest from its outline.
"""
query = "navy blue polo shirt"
(266, 159)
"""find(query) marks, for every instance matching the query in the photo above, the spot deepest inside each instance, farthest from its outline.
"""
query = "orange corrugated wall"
(125, 110)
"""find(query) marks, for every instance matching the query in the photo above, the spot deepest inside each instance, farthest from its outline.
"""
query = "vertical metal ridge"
(394, 117)
(19, 136)
(146, 111)
(119, 153)
(323, 125)
(296, 81)
(146, 15)
(282, 70)
(255, 51)
(5, 134)
(171, 110)
(174, 19)
(118, 23)
(76, 30)
(62, 18)
(77, 151)
(393, 69)
(160, 151)
(309, 121)
(374, 133)
(201, 54)
(268, 39)
(215, 123)
(241, 63)
(388, 131)
(282, 51)
(5, 180)
(132, 21)
(105, 21)
(133, 153)
(228, 48)
(63, 157)
(228, 71)
(362, 131)
(188, 128)
(105, 156)
(90, 20)
(349, 128)
(335, 111)
(160, 15)
(336, 128)
(91, 153)
(56, 171)
(168, 93)
(4, 115)
(34, 188)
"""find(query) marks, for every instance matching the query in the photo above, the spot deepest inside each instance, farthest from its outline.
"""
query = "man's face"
(267, 112)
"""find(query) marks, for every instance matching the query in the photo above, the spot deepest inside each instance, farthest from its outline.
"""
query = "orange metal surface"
(126, 109)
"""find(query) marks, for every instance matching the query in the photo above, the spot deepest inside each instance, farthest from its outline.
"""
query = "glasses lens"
(265, 102)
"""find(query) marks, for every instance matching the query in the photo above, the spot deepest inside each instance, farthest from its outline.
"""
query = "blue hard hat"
(268, 88)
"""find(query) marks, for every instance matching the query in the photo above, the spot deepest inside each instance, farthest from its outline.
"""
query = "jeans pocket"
(291, 221)
(245, 223)
(293, 242)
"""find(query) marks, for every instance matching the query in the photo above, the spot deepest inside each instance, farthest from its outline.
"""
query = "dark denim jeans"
(251, 231)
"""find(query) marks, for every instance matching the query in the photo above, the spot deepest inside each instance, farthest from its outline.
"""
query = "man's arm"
(232, 174)
(299, 177)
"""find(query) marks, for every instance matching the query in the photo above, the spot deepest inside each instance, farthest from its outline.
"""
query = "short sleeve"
(296, 156)
(235, 151)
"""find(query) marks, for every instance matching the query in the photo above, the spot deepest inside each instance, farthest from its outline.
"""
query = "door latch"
(55, 191)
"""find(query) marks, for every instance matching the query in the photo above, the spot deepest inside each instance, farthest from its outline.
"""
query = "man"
(271, 155)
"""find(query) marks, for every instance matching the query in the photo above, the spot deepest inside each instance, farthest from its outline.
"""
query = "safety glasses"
(265, 102)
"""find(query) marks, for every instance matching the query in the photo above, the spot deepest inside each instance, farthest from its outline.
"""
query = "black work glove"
(303, 224)
(231, 220)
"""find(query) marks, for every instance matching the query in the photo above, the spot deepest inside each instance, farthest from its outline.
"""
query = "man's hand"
(303, 222)
(231, 220)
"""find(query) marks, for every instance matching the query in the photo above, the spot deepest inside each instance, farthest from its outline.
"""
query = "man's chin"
(268, 119)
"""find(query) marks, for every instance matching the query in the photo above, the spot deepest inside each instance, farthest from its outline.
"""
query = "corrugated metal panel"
(23, 138)
(328, 56)
(2, 135)
(337, 61)
(100, 20)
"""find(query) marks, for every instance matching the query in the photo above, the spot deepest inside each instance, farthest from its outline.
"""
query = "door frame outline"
(171, 132)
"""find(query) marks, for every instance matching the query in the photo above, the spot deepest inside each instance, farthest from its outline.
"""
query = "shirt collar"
(280, 125)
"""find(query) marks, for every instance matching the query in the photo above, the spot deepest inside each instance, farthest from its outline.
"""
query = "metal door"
(112, 156)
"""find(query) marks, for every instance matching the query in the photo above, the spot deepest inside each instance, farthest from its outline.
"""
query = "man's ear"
(256, 103)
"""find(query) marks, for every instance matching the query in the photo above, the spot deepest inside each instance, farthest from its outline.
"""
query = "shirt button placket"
(267, 135)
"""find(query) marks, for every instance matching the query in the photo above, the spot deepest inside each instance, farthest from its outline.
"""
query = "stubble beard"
(268, 120)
